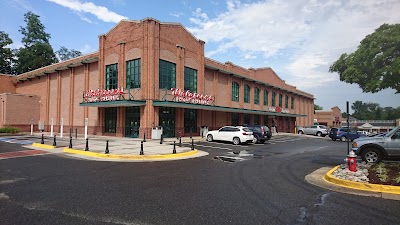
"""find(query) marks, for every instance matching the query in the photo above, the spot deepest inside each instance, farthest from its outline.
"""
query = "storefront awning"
(221, 108)
(113, 103)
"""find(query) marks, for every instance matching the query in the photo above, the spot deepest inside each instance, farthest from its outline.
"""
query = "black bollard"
(144, 137)
(54, 141)
(87, 144)
(174, 150)
(42, 141)
(70, 142)
(180, 141)
(141, 148)
(76, 133)
(161, 139)
(192, 145)
(107, 151)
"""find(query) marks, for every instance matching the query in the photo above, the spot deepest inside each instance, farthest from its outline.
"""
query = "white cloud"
(312, 33)
(87, 49)
(102, 13)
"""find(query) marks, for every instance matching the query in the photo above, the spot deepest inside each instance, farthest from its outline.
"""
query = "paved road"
(265, 186)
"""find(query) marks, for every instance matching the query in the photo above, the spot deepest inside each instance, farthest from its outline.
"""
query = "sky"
(298, 39)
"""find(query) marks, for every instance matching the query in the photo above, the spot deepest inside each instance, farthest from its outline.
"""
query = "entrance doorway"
(167, 121)
(132, 121)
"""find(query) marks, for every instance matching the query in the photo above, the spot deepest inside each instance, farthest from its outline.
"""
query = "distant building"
(330, 118)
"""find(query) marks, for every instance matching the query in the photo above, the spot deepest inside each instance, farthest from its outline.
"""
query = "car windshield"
(246, 129)
(392, 132)
(323, 127)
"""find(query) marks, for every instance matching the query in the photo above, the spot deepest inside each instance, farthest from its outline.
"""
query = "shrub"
(11, 130)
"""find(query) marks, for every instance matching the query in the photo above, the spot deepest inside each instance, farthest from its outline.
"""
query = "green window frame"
(256, 119)
(265, 97)
(246, 93)
(190, 79)
(111, 76)
(190, 120)
(292, 103)
(110, 120)
(235, 119)
(246, 119)
(133, 74)
(167, 75)
(256, 96)
(280, 100)
(286, 101)
(273, 99)
(235, 91)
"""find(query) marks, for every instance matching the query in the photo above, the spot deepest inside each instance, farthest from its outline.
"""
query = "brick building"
(330, 118)
(150, 74)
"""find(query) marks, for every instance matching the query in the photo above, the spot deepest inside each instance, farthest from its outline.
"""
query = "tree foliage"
(317, 107)
(6, 54)
(375, 65)
(372, 111)
(37, 51)
(64, 54)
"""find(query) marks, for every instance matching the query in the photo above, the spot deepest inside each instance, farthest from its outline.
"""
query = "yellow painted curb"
(381, 188)
(43, 146)
(132, 157)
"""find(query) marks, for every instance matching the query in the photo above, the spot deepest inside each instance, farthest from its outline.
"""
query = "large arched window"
(246, 93)
(235, 91)
(256, 96)
(265, 97)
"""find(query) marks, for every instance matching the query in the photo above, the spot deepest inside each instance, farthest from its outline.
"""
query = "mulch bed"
(385, 173)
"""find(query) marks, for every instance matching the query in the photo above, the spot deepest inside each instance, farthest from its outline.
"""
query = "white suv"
(233, 134)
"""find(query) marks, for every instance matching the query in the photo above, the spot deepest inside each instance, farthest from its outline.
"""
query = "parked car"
(261, 133)
(374, 149)
(236, 135)
(318, 130)
(342, 133)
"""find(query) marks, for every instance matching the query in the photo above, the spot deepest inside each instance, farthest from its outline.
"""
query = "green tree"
(6, 54)
(37, 51)
(375, 65)
(317, 107)
(64, 54)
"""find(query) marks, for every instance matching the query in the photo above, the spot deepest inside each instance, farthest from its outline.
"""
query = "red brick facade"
(60, 86)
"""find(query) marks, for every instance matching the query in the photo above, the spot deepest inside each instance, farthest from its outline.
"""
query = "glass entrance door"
(167, 121)
(132, 121)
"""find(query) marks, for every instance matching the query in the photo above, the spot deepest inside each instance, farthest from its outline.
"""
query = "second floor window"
(280, 100)
(246, 93)
(273, 99)
(167, 75)
(112, 76)
(235, 91)
(265, 97)
(256, 96)
(292, 103)
(286, 101)
(190, 79)
(133, 74)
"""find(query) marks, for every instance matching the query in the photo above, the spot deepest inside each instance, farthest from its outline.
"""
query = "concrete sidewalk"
(121, 148)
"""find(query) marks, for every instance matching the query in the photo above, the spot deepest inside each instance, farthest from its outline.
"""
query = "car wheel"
(236, 141)
(301, 132)
(255, 140)
(319, 134)
(343, 138)
(209, 138)
(333, 139)
(371, 155)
